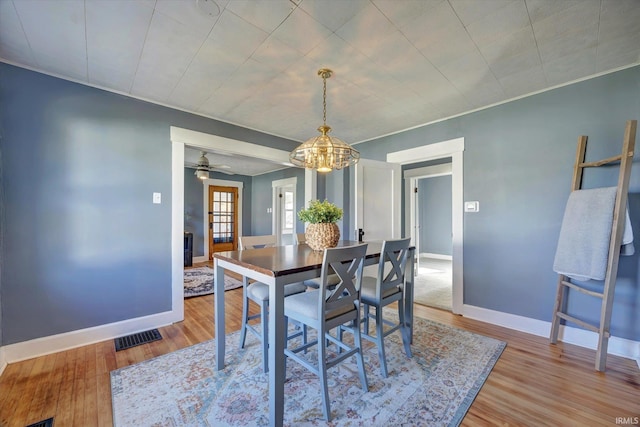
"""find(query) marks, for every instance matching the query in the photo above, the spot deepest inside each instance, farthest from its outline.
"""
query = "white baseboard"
(3, 360)
(435, 256)
(203, 258)
(55, 343)
(583, 338)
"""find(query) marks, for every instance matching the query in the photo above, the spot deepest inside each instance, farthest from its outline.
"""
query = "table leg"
(277, 341)
(218, 280)
(408, 293)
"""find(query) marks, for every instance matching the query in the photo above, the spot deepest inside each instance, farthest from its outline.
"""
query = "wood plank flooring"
(533, 383)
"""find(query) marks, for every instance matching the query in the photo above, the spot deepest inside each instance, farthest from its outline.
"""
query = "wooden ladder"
(559, 309)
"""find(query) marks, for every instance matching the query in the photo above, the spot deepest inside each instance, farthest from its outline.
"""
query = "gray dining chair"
(258, 292)
(325, 309)
(385, 289)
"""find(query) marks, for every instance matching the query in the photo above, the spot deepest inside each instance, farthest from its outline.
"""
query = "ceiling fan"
(203, 167)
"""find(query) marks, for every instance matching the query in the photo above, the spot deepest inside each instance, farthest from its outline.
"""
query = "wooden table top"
(282, 260)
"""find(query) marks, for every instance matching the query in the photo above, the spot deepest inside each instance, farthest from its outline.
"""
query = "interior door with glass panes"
(223, 219)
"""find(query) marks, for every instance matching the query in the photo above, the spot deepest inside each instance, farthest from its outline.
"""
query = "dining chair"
(299, 238)
(258, 292)
(325, 309)
(380, 291)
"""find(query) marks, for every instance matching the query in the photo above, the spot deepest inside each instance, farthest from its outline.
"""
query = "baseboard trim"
(200, 258)
(436, 256)
(52, 344)
(3, 360)
(617, 346)
(61, 342)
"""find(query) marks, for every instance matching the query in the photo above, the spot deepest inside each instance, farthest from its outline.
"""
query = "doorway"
(284, 210)
(223, 219)
(431, 230)
(454, 150)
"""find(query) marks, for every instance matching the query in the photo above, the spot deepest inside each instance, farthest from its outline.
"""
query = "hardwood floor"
(533, 383)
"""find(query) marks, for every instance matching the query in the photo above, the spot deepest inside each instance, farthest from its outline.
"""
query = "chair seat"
(258, 291)
(368, 290)
(332, 281)
(306, 305)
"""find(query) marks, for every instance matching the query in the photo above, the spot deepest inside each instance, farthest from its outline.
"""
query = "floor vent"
(43, 423)
(133, 340)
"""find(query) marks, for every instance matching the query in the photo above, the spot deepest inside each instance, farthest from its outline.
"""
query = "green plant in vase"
(322, 232)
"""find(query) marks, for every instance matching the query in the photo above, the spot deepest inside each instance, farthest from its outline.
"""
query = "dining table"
(276, 267)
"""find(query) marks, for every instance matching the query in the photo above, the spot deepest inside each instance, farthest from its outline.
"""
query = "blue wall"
(518, 162)
(261, 199)
(434, 195)
(83, 245)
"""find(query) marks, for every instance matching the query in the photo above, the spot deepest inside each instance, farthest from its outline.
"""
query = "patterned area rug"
(199, 281)
(434, 388)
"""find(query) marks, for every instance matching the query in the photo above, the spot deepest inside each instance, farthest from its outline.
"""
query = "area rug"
(434, 388)
(199, 281)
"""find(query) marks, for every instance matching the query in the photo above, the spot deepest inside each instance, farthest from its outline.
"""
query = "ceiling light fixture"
(202, 169)
(324, 152)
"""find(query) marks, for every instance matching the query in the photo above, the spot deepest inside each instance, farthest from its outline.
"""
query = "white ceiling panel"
(266, 15)
(13, 41)
(500, 23)
(396, 63)
(299, 22)
(169, 49)
(56, 35)
(109, 64)
(333, 14)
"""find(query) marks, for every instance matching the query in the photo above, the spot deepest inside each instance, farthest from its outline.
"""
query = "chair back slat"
(253, 242)
(347, 263)
(394, 254)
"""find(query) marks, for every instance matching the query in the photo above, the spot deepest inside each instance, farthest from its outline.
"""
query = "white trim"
(571, 335)
(205, 209)
(453, 148)
(276, 208)
(310, 186)
(429, 171)
(201, 258)
(3, 360)
(506, 101)
(179, 138)
(244, 125)
(436, 256)
(177, 230)
(229, 146)
(411, 182)
(68, 340)
(427, 152)
(55, 343)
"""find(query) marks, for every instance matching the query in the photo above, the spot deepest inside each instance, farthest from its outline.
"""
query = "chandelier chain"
(324, 99)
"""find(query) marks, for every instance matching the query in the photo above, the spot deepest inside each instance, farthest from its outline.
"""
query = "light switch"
(471, 206)
(157, 198)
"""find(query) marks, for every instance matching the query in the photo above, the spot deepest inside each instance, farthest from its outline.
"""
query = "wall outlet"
(157, 198)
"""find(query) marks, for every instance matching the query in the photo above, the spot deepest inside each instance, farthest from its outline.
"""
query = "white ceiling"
(397, 63)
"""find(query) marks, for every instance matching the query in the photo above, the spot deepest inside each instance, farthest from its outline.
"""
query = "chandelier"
(324, 152)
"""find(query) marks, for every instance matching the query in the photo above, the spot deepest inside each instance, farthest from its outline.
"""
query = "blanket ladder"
(564, 284)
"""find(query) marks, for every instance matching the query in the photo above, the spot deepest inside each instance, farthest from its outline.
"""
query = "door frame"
(412, 176)
(276, 206)
(453, 148)
(181, 137)
(205, 210)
